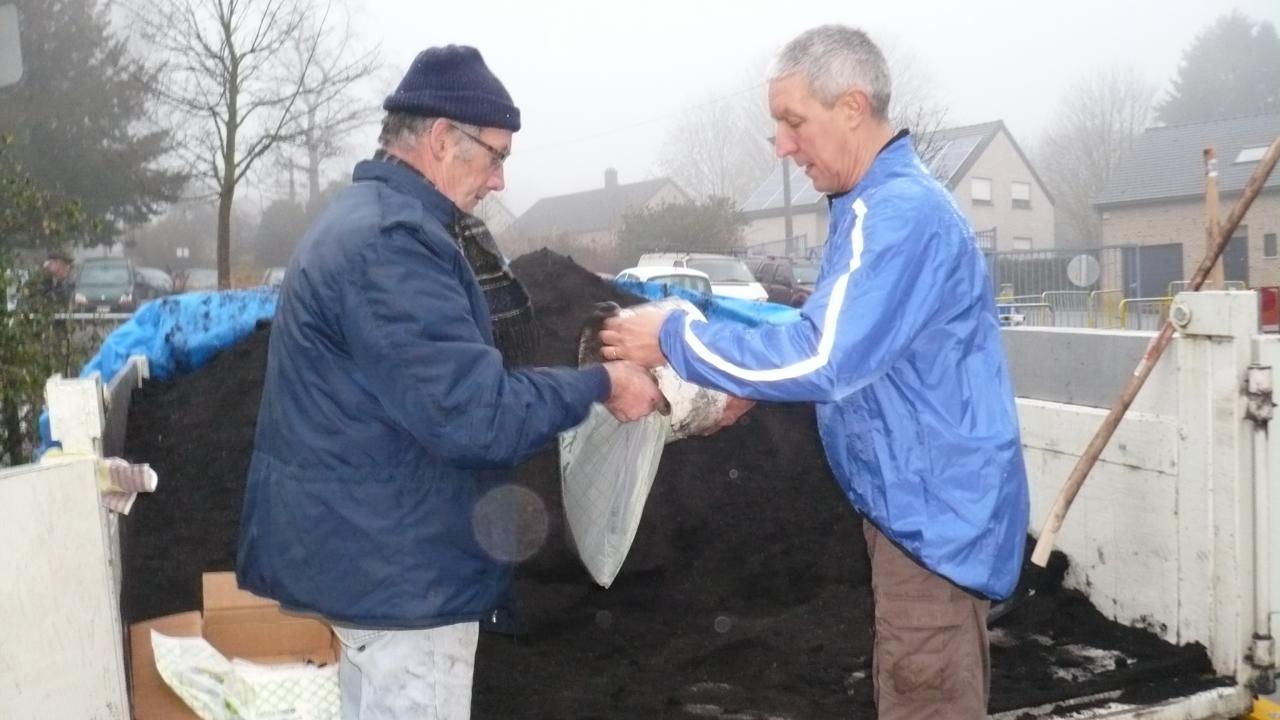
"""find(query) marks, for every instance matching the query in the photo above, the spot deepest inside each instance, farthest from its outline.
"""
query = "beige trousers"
(931, 657)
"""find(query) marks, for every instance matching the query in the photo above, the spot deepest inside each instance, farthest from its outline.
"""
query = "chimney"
(610, 178)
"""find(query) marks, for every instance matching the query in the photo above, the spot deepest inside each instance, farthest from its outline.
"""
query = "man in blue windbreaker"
(899, 346)
(378, 494)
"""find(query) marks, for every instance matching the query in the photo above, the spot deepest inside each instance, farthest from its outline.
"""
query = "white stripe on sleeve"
(830, 322)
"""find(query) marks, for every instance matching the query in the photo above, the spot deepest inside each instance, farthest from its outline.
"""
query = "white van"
(730, 276)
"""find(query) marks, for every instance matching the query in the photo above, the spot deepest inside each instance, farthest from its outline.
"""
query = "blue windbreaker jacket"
(900, 348)
(378, 492)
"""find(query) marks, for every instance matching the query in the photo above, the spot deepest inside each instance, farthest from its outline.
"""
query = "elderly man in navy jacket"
(389, 423)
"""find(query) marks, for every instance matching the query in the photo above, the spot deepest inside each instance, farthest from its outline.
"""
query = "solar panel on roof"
(953, 155)
(769, 195)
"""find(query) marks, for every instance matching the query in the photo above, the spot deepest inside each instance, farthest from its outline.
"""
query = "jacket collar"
(407, 181)
(890, 153)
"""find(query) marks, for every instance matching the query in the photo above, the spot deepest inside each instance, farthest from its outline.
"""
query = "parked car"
(730, 276)
(686, 278)
(200, 279)
(787, 280)
(152, 283)
(106, 284)
(273, 277)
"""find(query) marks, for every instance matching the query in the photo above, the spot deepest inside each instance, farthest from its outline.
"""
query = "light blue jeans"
(403, 674)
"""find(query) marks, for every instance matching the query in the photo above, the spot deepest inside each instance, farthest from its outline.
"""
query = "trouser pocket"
(357, 640)
(926, 649)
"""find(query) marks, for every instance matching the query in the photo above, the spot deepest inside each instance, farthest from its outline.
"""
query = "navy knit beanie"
(452, 82)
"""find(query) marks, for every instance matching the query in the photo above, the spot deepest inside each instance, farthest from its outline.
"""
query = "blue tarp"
(178, 334)
(715, 308)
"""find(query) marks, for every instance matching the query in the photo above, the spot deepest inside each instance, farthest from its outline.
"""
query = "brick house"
(1155, 199)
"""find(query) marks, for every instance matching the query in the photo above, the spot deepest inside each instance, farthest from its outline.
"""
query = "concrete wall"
(1001, 164)
(1161, 534)
(1183, 221)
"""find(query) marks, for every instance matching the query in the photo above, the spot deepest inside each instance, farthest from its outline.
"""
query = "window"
(107, 273)
(1022, 243)
(1269, 245)
(1021, 194)
(980, 191)
(688, 282)
(1251, 154)
(723, 270)
(806, 274)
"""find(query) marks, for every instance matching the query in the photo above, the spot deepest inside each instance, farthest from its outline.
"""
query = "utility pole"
(790, 243)
(1217, 278)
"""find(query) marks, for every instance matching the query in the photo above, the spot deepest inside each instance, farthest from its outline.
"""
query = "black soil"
(746, 593)
(197, 433)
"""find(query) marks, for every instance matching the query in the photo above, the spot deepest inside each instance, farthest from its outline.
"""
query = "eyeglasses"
(496, 157)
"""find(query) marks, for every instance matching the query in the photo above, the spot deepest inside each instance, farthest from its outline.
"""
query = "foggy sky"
(599, 83)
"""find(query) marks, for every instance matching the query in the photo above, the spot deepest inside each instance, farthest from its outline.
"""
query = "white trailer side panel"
(61, 649)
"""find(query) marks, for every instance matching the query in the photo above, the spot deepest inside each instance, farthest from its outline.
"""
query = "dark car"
(787, 280)
(106, 284)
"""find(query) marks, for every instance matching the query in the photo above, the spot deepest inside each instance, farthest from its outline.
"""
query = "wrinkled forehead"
(789, 94)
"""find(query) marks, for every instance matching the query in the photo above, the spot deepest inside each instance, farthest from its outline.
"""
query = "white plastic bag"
(607, 468)
(216, 688)
(606, 471)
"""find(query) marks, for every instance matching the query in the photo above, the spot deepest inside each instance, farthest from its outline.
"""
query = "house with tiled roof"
(982, 165)
(591, 217)
(1156, 198)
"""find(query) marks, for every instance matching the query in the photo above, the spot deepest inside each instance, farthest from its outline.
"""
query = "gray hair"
(834, 60)
(401, 129)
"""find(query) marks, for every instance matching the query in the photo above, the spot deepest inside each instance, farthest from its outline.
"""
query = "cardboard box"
(237, 623)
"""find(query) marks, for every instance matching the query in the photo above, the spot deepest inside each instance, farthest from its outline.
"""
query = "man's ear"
(854, 108)
(438, 139)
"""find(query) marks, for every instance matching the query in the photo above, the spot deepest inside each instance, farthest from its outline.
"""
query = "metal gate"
(1115, 286)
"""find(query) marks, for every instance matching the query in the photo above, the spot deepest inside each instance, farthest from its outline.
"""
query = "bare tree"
(1097, 120)
(329, 108)
(233, 84)
(914, 104)
(720, 147)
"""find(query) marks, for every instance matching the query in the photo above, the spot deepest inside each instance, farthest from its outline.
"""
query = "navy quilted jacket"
(379, 492)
